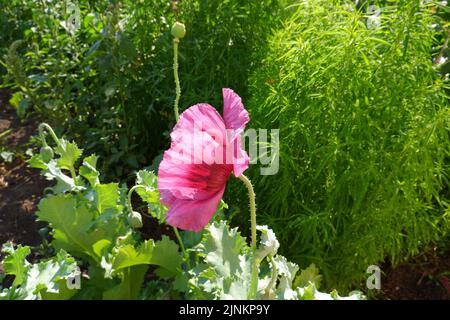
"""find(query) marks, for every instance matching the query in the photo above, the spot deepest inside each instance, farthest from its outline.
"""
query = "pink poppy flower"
(204, 151)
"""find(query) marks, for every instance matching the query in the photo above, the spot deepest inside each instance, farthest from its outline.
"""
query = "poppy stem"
(45, 126)
(252, 202)
(186, 256)
(130, 192)
(177, 79)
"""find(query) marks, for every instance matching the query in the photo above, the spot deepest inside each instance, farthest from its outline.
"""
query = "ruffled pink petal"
(189, 174)
(240, 158)
(193, 215)
(234, 113)
(235, 117)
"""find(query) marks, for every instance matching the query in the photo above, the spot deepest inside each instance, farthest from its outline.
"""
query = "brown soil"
(424, 277)
(20, 187)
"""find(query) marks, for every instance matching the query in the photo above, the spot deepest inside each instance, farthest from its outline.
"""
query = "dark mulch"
(20, 187)
(424, 277)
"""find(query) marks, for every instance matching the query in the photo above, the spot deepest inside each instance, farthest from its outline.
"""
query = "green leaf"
(222, 247)
(69, 154)
(45, 280)
(72, 222)
(150, 194)
(268, 244)
(128, 256)
(20, 103)
(167, 257)
(88, 170)
(49, 278)
(286, 272)
(107, 196)
(226, 271)
(308, 276)
(15, 262)
(130, 285)
(37, 162)
(64, 183)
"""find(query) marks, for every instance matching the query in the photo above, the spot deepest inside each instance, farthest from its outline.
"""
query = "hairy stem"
(252, 202)
(177, 79)
(45, 126)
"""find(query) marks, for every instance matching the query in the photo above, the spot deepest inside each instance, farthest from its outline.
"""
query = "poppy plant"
(205, 149)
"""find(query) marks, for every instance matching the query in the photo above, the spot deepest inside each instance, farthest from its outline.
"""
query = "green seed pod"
(135, 220)
(46, 154)
(178, 30)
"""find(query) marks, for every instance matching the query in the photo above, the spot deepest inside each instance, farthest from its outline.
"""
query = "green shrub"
(110, 83)
(364, 137)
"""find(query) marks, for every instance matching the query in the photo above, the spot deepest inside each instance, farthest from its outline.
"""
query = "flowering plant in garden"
(205, 150)
(95, 238)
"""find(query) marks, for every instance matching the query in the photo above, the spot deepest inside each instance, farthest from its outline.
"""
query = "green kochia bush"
(364, 137)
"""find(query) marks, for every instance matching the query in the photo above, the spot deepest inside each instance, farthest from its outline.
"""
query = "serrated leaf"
(36, 162)
(88, 170)
(72, 222)
(150, 194)
(268, 244)
(167, 257)
(286, 272)
(222, 247)
(69, 154)
(15, 262)
(64, 183)
(308, 276)
(107, 196)
(127, 255)
(46, 280)
(226, 271)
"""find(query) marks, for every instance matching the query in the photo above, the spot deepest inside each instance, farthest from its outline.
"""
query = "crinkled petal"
(240, 158)
(235, 117)
(193, 215)
(190, 169)
(234, 113)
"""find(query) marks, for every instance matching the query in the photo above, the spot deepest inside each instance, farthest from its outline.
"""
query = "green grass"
(364, 132)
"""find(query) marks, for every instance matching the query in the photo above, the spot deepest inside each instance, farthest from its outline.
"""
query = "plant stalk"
(252, 202)
(176, 77)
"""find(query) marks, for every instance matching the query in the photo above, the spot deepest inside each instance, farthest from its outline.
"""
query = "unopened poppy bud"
(46, 154)
(135, 220)
(178, 30)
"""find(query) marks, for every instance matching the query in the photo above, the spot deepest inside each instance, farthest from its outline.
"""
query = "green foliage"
(225, 270)
(364, 136)
(150, 194)
(43, 280)
(88, 220)
(110, 83)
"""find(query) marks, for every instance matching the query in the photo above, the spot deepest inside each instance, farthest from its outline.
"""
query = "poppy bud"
(178, 30)
(46, 154)
(135, 220)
